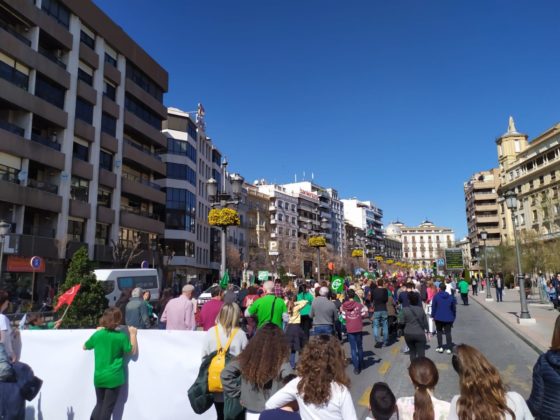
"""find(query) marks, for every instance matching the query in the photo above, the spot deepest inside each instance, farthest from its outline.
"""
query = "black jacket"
(544, 401)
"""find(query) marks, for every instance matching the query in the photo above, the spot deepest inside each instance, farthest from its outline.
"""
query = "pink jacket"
(431, 293)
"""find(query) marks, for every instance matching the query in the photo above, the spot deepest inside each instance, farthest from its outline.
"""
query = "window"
(280, 217)
(181, 147)
(181, 209)
(14, 72)
(104, 197)
(108, 124)
(57, 11)
(84, 110)
(80, 151)
(109, 90)
(50, 91)
(79, 189)
(143, 81)
(102, 234)
(517, 146)
(535, 217)
(142, 112)
(75, 230)
(87, 37)
(191, 129)
(85, 73)
(183, 172)
(105, 160)
(181, 248)
(110, 56)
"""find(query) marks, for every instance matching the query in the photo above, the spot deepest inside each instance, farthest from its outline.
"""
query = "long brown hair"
(424, 375)
(322, 362)
(483, 394)
(555, 345)
(263, 357)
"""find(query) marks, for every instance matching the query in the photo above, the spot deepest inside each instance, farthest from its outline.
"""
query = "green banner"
(263, 275)
(337, 284)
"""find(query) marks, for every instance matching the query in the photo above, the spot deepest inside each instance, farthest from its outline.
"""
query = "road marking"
(384, 368)
(395, 350)
(364, 399)
(442, 366)
(509, 378)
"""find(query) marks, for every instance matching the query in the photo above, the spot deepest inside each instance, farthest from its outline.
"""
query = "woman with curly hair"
(262, 368)
(321, 387)
(423, 405)
(483, 394)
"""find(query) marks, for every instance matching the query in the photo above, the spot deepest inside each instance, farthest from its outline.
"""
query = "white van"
(116, 280)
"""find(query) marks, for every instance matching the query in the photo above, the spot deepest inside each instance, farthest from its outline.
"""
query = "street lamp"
(511, 203)
(484, 236)
(221, 200)
(4, 230)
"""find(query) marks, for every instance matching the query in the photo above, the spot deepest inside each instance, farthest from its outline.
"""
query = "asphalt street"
(474, 326)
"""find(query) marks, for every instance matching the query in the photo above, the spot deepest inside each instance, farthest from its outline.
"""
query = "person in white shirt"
(6, 333)
(483, 393)
(424, 376)
(321, 393)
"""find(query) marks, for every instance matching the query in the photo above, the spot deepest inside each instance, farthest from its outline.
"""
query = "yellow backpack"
(218, 363)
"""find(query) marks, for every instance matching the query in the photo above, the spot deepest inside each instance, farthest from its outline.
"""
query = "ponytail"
(423, 406)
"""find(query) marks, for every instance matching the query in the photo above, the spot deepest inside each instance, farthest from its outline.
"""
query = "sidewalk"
(539, 335)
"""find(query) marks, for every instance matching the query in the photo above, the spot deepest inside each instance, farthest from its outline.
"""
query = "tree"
(124, 253)
(90, 302)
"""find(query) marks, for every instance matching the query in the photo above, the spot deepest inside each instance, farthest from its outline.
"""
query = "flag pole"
(64, 314)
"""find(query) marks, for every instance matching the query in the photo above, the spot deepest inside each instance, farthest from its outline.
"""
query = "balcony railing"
(140, 212)
(9, 174)
(143, 149)
(12, 128)
(14, 76)
(8, 28)
(135, 178)
(51, 56)
(41, 185)
(53, 144)
(44, 231)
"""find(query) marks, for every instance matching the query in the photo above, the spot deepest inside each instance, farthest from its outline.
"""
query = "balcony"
(51, 56)
(14, 76)
(12, 128)
(140, 222)
(143, 156)
(30, 244)
(145, 189)
(103, 253)
(13, 30)
(41, 185)
(52, 142)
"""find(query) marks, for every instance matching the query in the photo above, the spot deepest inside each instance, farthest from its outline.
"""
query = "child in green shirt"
(109, 346)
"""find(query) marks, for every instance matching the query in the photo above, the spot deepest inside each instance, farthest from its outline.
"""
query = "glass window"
(87, 37)
(50, 91)
(106, 160)
(181, 209)
(109, 90)
(181, 147)
(110, 60)
(57, 11)
(80, 152)
(75, 230)
(142, 112)
(108, 124)
(13, 71)
(102, 234)
(191, 129)
(84, 110)
(79, 189)
(85, 73)
(104, 197)
(183, 172)
(143, 81)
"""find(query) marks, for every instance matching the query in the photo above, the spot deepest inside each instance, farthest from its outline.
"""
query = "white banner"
(166, 366)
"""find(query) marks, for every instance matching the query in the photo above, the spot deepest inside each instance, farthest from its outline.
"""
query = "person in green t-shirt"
(268, 308)
(306, 322)
(37, 322)
(109, 346)
(464, 291)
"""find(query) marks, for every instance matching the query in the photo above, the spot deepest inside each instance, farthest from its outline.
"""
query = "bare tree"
(125, 252)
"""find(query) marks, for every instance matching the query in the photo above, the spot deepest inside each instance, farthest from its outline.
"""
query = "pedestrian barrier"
(158, 378)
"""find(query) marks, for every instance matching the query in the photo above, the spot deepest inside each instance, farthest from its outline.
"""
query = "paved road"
(474, 326)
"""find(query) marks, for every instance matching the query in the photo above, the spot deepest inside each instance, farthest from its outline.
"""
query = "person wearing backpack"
(259, 371)
(227, 336)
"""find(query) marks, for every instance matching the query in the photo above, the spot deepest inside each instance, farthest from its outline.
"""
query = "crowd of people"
(276, 352)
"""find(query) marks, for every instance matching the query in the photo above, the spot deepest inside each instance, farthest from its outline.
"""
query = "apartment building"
(531, 170)
(368, 218)
(190, 160)
(481, 206)
(80, 126)
(424, 243)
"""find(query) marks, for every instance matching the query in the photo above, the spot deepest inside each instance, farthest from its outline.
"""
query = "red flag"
(67, 297)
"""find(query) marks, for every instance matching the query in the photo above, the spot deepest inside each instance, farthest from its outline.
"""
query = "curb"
(512, 329)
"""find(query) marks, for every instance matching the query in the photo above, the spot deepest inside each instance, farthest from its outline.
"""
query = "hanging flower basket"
(358, 253)
(223, 217)
(390, 261)
(379, 258)
(317, 241)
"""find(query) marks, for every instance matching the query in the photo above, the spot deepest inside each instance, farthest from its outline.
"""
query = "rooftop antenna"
(295, 178)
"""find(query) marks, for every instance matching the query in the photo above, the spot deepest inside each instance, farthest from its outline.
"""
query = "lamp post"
(221, 200)
(484, 236)
(4, 230)
(511, 203)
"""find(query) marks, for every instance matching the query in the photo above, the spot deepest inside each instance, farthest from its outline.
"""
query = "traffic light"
(434, 267)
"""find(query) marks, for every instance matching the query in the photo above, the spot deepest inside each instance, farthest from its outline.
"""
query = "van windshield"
(131, 282)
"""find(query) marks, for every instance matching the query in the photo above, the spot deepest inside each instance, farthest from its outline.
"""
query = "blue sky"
(398, 102)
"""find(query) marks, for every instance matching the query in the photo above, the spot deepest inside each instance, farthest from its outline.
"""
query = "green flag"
(224, 281)
(337, 284)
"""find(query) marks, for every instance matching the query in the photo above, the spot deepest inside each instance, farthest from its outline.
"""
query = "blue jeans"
(499, 294)
(322, 329)
(380, 320)
(355, 340)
